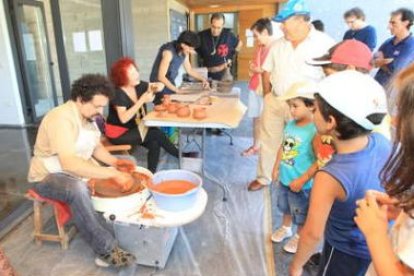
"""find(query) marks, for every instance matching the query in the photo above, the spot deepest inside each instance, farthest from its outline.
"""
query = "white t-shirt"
(287, 65)
(402, 238)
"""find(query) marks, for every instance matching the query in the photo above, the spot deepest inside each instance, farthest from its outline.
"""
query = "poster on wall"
(79, 42)
(95, 40)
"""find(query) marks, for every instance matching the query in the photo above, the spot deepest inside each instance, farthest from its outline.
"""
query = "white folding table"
(224, 113)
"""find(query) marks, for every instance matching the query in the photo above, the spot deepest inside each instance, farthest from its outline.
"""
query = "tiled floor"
(15, 151)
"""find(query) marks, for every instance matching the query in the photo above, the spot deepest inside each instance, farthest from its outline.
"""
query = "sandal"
(250, 151)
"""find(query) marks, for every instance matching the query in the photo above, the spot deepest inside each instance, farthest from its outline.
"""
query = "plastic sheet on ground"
(232, 237)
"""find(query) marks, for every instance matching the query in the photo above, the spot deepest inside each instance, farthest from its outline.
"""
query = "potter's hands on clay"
(125, 165)
(148, 97)
(124, 181)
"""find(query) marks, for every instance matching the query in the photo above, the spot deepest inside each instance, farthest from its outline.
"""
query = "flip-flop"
(250, 151)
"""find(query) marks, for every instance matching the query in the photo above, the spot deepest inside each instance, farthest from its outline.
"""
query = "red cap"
(348, 52)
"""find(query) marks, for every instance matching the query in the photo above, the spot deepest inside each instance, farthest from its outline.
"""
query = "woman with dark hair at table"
(124, 123)
(169, 59)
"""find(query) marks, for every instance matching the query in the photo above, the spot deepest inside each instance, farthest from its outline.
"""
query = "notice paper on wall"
(95, 40)
(79, 42)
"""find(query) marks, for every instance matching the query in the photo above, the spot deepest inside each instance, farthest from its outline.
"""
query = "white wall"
(151, 30)
(11, 112)
(377, 13)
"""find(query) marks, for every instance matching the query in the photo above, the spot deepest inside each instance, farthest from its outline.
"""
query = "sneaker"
(292, 245)
(282, 233)
(117, 257)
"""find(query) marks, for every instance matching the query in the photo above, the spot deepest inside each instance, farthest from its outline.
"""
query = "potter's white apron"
(85, 145)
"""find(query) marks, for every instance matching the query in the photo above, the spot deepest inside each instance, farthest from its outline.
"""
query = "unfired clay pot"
(159, 107)
(162, 114)
(172, 108)
(199, 113)
(184, 112)
(166, 100)
(179, 105)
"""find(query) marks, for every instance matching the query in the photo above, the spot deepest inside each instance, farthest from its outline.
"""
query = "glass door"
(35, 58)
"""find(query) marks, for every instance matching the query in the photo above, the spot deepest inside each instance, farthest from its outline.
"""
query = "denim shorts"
(294, 204)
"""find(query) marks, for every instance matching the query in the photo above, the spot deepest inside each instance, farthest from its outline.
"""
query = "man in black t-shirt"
(218, 47)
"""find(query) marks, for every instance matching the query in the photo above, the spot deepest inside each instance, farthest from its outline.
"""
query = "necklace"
(214, 44)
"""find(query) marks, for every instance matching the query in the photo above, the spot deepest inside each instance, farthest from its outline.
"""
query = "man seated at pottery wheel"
(66, 142)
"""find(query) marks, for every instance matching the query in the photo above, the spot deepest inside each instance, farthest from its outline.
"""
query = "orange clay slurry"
(174, 187)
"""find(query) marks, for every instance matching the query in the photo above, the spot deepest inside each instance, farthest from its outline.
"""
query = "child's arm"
(372, 221)
(323, 194)
(297, 184)
(275, 171)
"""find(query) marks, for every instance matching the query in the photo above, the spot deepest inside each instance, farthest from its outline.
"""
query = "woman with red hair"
(127, 109)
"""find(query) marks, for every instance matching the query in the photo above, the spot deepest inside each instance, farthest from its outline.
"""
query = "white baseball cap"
(304, 89)
(355, 95)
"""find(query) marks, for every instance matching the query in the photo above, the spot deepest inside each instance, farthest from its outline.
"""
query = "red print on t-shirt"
(222, 50)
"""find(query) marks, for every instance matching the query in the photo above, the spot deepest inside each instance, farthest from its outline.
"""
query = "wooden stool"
(63, 237)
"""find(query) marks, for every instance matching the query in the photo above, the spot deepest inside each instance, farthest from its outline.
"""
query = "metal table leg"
(180, 150)
(203, 171)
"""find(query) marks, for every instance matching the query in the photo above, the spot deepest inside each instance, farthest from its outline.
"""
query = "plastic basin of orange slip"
(175, 190)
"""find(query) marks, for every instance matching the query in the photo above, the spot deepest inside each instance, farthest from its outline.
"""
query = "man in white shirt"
(285, 65)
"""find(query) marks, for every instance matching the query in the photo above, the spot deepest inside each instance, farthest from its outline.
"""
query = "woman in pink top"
(262, 33)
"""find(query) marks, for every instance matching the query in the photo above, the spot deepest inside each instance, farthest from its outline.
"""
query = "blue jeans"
(75, 193)
(294, 204)
(336, 263)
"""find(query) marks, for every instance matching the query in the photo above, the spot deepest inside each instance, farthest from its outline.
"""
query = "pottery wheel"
(109, 188)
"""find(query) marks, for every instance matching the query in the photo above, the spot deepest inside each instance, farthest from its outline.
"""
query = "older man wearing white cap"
(285, 65)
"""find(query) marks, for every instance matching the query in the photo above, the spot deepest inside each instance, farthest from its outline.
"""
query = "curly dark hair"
(398, 171)
(89, 85)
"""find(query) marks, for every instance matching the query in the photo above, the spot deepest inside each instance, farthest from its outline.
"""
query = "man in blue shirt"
(396, 52)
(359, 29)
